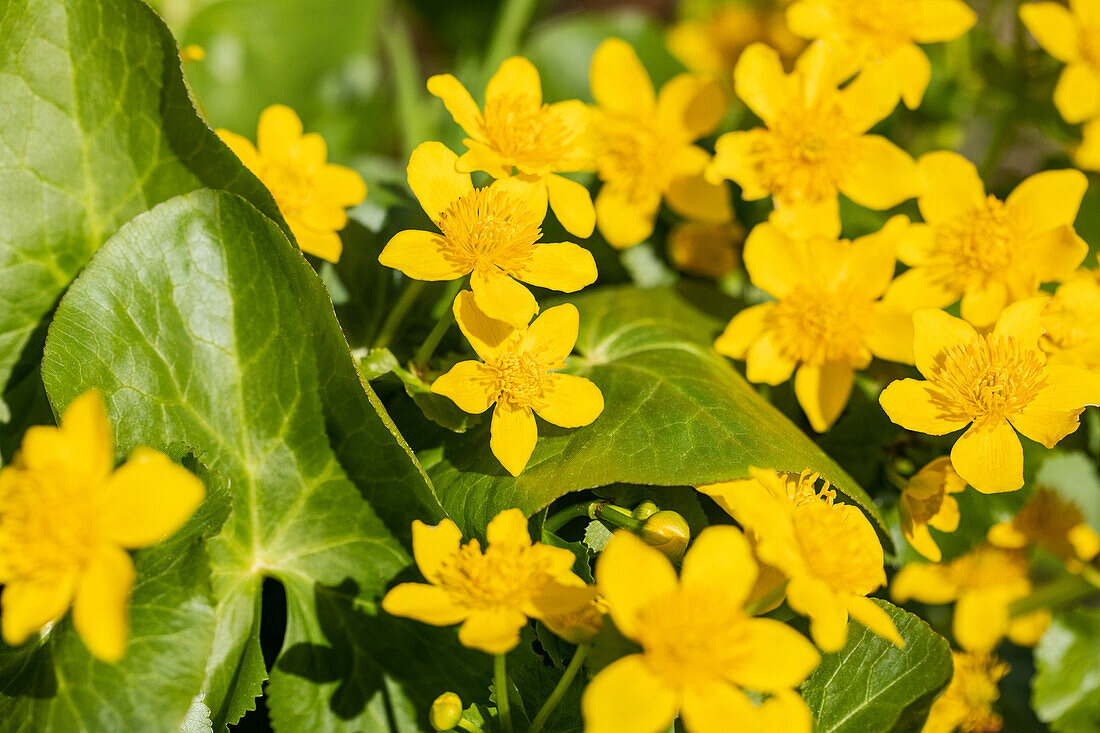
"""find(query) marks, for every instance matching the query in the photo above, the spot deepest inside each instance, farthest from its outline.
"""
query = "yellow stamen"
(490, 227)
(526, 132)
(814, 326)
(988, 379)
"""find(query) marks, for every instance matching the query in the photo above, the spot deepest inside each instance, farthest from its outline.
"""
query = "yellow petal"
(627, 696)
(1087, 10)
(983, 305)
(1057, 253)
(553, 334)
(1077, 94)
(88, 437)
(512, 436)
(458, 102)
(619, 82)
(424, 256)
(1022, 321)
(433, 545)
(988, 456)
(828, 615)
(721, 558)
(693, 197)
(718, 707)
(760, 82)
(921, 540)
(919, 287)
(624, 220)
(890, 333)
(913, 71)
(485, 334)
(508, 530)
(572, 205)
(881, 174)
(340, 186)
(1029, 629)
(242, 147)
(279, 130)
(516, 77)
(562, 266)
(785, 711)
(1087, 156)
(773, 657)
(531, 190)
(689, 42)
(101, 604)
(322, 216)
(502, 298)
(870, 260)
(924, 582)
(870, 98)
(480, 157)
(28, 606)
(1085, 542)
(910, 404)
(941, 20)
(951, 187)
(310, 152)
(691, 106)
(981, 620)
(1005, 534)
(871, 615)
(630, 575)
(324, 244)
(810, 18)
(734, 159)
(917, 244)
(148, 499)
(947, 518)
(1055, 411)
(434, 180)
(1055, 28)
(428, 604)
(1048, 200)
(493, 631)
(823, 392)
(934, 332)
(571, 402)
(774, 260)
(766, 363)
(469, 384)
(743, 331)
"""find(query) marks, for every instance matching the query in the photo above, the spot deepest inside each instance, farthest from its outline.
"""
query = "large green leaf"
(1066, 690)
(97, 128)
(676, 414)
(200, 322)
(871, 685)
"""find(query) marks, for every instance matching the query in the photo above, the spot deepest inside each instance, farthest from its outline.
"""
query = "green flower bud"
(668, 532)
(446, 711)
(645, 510)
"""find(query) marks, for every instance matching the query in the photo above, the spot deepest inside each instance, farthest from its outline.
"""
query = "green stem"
(408, 84)
(397, 314)
(513, 19)
(1059, 594)
(616, 516)
(446, 318)
(560, 689)
(500, 682)
(565, 516)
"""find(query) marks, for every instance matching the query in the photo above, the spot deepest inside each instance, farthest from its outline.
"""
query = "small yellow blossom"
(826, 320)
(312, 194)
(490, 233)
(814, 142)
(193, 52)
(700, 649)
(642, 144)
(516, 373)
(713, 44)
(67, 517)
(993, 382)
(1072, 333)
(967, 703)
(519, 134)
(884, 32)
(1071, 35)
(1052, 523)
(829, 552)
(491, 593)
(990, 252)
(927, 502)
(581, 626)
(984, 582)
(707, 250)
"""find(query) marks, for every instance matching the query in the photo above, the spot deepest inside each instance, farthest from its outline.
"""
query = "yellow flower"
(927, 502)
(993, 382)
(491, 593)
(67, 517)
(984, 582)
(967, 703)
(1052, 523)
(516, 373)
(580, 626)
(1072, 330)
(884, 32)
(829, 552)
(312, 194)
(700, 649)
(1071, 35)
(988, 251)
(708, 250)
(814, 142)
(642, 144)
(491, 234)
(826, 319)
(1087, 155)
(518, 131)
(713, 44)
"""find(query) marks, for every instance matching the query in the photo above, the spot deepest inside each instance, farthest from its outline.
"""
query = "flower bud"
(645, 510)
(668, 532)
(446, 711)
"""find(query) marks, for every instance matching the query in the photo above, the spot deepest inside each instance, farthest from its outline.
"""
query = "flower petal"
(242, 147)
(1055, 28)
(911, 404)
(881, 174)
(627, 696)
(919, 287)
(890, 335)
(773, 657)
(147, 499)
(624, 220)
(743, 331)
(871, 615)
(619, 82)
(823, 392)
(469, 384)
(925, 582)
(26, 608)
(101, 604)
(1049, 199)
(508, 530)
(631, 574)
(695, 198)
(516, 77)
(981, 620)
(88, 436)
(572, 205)
(1022, 321)
(941, 20)
(562, 266)
(1055, 412)
(485, 334)
(480, 157)
(760, 82)
(278, 131)
(870, 97)
(951, 187)
(718, 707)
(456, 98)
(502, 298)
(423, 256)
(721, 558)
(984, 305)
(766, 363)
(913, 71)
(433, 545)
(735, 159)
(428, 604)
(512, 436)
(691, 106)
(434, 180)
(493, 631)
(1057, 253)
(571, 401)
(1077, 94)
(340, 186)
(828, 615)
(989, 457)
(324, 244)
(933, 333)
(553, 334)
(774, 260)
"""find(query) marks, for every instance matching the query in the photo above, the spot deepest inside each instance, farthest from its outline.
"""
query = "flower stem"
(560, 689)
(1059, 594)
(513, 19)
(500, 682)
(446, 318)
(562, 518)
(397, 314)
(616, 516)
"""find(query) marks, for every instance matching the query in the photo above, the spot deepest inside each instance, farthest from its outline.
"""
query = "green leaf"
(52, 684)
(200, 322)
(871, 685)
(676, 413)
(1066, 690)
(98, 127)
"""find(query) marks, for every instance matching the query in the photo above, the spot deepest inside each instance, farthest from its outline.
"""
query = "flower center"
(633, 156)
(967, 705)
(990, 567)
(526, 132)
(979, 246)
(1070, 319)
(520, 377)
(502, 577)
(290, 186)
(490, 228)
(815, 326)
(1047, 520)
(991, 378)
(806, 151)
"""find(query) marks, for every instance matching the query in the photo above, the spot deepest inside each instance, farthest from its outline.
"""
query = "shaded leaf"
(1066, 689)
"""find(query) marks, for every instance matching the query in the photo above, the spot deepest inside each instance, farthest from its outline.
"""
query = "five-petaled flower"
(699, 648)
(1072, 334)
(67, 517)
(518, 133)
(312, 194)
(826, 319)
(993, 382)
(490, 233)
(927, 501)
(967, 703)
(1071, 35)
(865, 32)
(829, 552)
(988, 251)
(493, 592)
(517, 374)
(643, 145)
(714, 41)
